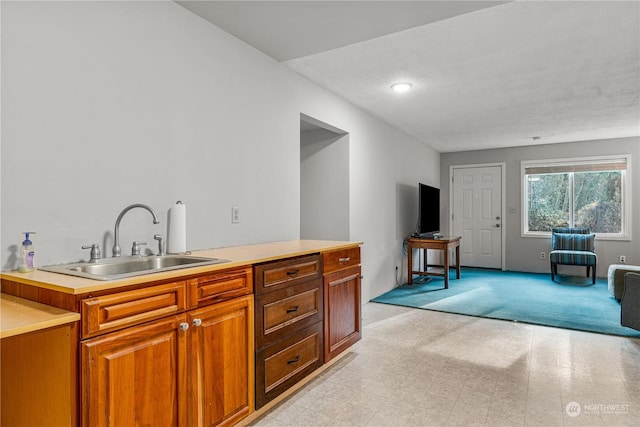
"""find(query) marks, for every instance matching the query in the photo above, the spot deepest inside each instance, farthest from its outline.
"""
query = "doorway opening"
(324, 181)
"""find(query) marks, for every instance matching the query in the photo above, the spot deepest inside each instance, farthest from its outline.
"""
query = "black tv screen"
(429, 209)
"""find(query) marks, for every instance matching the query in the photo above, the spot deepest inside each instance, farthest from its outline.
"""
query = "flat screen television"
(428, 210)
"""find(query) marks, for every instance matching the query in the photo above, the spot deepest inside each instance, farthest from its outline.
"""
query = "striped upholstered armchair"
(573, 246)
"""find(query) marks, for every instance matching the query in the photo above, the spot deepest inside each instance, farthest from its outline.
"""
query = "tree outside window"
(575, 194)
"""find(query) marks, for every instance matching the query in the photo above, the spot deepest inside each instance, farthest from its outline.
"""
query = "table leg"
(446, 268)
(457, 261)
(409, 264)
(425, 259)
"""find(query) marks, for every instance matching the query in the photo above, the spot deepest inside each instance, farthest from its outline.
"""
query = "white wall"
(110, 103)
(523, 253)
(324, 185)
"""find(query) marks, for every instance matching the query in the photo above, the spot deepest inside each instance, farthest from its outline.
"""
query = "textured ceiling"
(485, 74)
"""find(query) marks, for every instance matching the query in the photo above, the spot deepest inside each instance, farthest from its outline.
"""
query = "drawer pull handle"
(294, 272)
(293, 310)
(294, 360)
(347, 259)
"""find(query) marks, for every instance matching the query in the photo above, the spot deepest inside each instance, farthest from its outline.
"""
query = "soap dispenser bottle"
(27, 254)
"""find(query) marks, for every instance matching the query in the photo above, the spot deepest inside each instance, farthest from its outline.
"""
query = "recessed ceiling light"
(401, 86)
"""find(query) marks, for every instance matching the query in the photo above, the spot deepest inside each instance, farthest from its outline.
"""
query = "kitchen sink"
(120, 268)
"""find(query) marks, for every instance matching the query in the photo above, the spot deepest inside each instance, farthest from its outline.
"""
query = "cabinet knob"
(197, 322)
(184, 326)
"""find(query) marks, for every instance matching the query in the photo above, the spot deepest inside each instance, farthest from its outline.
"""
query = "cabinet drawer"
(283, 311)
(117, 311)
(280, 274)
(340, 259)
(220, 286)
(286, 362)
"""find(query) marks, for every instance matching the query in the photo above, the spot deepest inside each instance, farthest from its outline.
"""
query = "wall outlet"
(235, 215)
(543, 255)
(623, 259)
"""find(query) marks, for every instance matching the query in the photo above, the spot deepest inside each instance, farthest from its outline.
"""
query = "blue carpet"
(569, 302)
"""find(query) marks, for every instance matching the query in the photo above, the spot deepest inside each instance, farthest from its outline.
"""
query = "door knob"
(497, 218)
(497, 225)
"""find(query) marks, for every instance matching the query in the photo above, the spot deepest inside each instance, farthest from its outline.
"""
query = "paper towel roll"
(177, 229)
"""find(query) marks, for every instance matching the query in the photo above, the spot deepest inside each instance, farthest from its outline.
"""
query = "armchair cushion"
(573, 242)
(584, 258)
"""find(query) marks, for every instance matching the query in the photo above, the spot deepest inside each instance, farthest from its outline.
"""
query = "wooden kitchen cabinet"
(193, 368)
(342, 288)
(220, 363)
(38, 378)
(136, 376)
(288, 324)
(130, 363)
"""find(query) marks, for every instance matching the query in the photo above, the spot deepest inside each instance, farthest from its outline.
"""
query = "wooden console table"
(443, 243)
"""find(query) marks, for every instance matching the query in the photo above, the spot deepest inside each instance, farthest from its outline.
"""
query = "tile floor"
(424, 368)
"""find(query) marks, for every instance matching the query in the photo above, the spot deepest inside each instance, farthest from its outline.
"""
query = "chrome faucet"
(116, 233)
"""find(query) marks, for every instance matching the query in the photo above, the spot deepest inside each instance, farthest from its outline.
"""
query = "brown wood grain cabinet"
(187, 349)
(38, 378)
(136, 376)
(221, 363)
(288, 323)
(342, 289)
(193, 368)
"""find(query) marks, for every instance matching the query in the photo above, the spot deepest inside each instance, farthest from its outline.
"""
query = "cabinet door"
(136, 377)
(342, 323)
(221, 362)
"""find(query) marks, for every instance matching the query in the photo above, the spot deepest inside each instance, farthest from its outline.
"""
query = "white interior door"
(477, 214)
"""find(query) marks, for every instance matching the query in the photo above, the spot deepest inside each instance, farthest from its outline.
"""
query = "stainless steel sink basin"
(119, 268)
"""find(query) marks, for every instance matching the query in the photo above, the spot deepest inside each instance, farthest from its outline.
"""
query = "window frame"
(626, 194)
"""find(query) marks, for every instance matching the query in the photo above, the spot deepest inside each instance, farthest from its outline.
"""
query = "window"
(589, 192)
